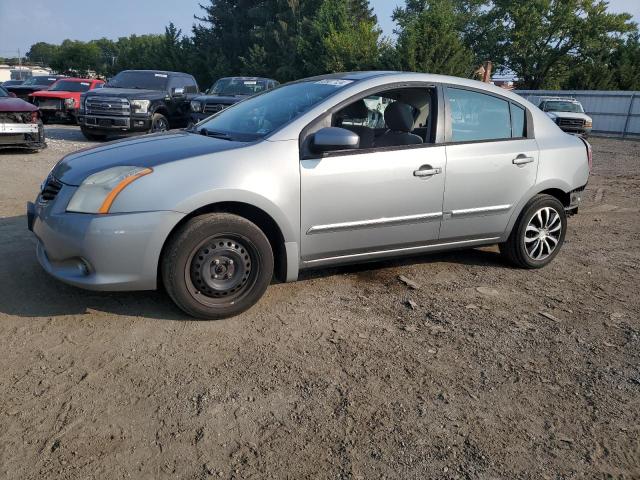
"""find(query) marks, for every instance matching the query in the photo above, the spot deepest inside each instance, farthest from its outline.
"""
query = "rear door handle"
(427, 171)
(523, 160)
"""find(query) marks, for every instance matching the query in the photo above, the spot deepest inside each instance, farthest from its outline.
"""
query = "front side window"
(258, 116)
(68, 86)
(477, 116)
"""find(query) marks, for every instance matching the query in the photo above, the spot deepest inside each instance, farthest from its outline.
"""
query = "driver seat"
(399, 118)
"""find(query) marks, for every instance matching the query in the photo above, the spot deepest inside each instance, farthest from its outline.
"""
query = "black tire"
(217, 265)
(92, 136)
(519, 248)
(159, 123)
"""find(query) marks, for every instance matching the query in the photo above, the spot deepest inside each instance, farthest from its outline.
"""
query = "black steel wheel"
(217, 265)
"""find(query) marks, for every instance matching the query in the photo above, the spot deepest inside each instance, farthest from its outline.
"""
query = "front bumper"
(104, 125)
(29, 135)
(99, 252)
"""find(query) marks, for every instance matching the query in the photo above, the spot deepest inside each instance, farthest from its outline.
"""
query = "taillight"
(35, 116)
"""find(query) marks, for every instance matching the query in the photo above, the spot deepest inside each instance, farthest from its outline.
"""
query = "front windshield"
(68, 86)
(258, 116)
(140, 80)
(237, 86)
(563, 107)
(40, 81)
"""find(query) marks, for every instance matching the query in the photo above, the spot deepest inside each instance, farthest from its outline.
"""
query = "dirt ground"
(495, 372)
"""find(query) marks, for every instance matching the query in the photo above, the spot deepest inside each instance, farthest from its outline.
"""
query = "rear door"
(492, 160)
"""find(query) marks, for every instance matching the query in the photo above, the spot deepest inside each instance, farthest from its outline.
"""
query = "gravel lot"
(495, 372)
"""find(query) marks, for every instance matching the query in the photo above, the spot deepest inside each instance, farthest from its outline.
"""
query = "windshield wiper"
(211, 133)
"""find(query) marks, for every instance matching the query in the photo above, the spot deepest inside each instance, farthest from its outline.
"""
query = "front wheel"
(217, 265)
(159, 123)
(92, 136)
(538, 234)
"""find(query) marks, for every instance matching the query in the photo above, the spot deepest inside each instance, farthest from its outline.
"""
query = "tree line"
(570, 44)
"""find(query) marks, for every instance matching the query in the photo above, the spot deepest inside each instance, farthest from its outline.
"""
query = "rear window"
(476, 116)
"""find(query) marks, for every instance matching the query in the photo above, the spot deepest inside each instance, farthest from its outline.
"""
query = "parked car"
(302, 177)
(568, 114)
(137, 101)
(62, 100)
(12, 83)
(33, 84)
(226, 92)
(20, 123)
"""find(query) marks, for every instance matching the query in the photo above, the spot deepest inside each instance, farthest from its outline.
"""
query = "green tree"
(431, 37)
(42, 53)
(542, 40)
(76, 57)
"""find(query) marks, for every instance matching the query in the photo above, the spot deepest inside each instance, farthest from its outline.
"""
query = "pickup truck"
(226, 92)
(62, 99)
(33, 84)
(137, 102)
(568, 114)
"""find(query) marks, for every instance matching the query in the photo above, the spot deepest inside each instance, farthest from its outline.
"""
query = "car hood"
(10, 104)
(129, 93)
(55, 94)
(147, 151)
(581, 116)
(226, 100)
(27, 88)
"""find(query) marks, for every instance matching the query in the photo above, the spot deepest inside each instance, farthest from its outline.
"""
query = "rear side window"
(477, 116)
(518, 122)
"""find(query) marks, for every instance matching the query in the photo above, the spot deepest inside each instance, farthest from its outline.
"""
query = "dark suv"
(225, 92)
(137, 101)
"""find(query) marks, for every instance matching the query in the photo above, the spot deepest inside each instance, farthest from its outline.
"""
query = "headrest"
(399, 117)
(355, 110)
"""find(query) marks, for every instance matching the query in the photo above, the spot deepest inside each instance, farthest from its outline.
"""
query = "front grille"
(113, 106)
(570, 122)
(15, 117)
(49, 104)
(214, 107)
(50, 189)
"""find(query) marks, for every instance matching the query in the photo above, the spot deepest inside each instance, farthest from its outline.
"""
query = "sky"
(23, 24)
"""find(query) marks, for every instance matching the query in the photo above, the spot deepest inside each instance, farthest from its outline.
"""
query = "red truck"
(61, 101)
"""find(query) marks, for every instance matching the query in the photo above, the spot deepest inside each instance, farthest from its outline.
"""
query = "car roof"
(78, 79)
(247, 78)
(165, 72)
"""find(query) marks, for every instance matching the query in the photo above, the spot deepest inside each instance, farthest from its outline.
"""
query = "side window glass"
(476, 116)
(518, 122)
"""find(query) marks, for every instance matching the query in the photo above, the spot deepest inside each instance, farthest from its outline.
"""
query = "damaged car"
(20, 123)
(61, 101)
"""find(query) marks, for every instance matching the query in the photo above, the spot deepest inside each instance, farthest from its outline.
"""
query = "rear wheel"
(538, 234)
(217, 265)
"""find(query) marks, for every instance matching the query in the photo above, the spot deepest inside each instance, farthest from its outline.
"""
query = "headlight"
(69, 103)
(98, 191)
(141, 106)
(196, 106)
(588, 124)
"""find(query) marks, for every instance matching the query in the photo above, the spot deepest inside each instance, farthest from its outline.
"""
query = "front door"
(368, 202)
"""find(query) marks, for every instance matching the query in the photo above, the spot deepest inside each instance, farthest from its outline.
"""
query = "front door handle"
(523, 160)
(427, 171)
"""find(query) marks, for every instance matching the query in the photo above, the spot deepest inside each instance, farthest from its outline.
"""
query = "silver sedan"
(338, 169)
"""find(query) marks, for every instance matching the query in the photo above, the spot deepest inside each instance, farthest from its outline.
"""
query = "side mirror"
(177, 92)
(13, 95)
(333, 138)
